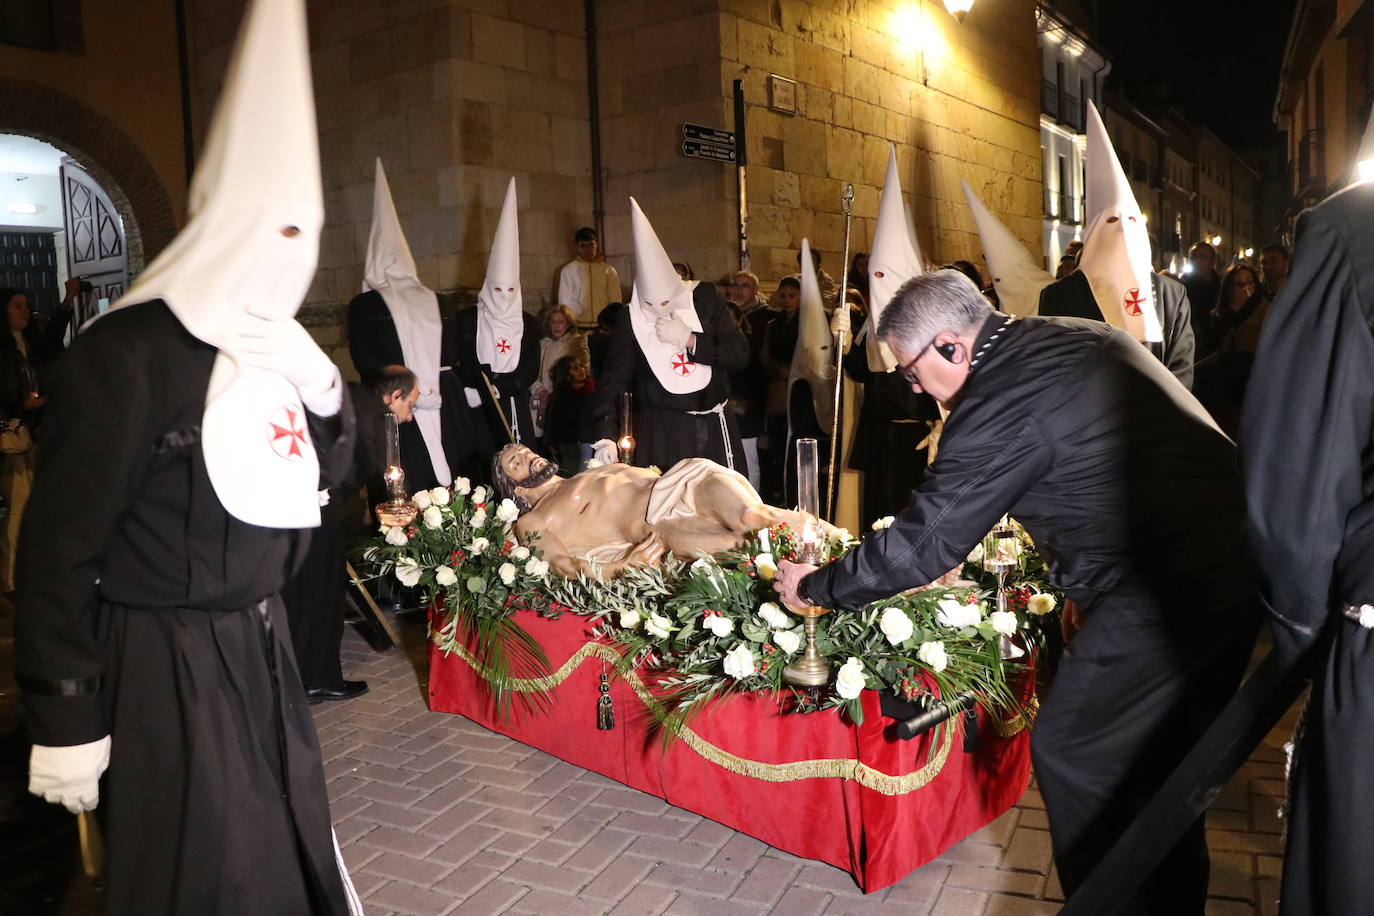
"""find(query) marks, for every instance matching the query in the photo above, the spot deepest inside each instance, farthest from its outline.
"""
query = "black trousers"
(314, 599)
(1140, 683)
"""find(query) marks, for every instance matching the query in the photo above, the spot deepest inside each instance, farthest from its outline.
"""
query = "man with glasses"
(1080, 433)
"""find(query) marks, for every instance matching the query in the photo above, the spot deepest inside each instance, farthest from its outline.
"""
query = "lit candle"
(626, 445)
(808, 500)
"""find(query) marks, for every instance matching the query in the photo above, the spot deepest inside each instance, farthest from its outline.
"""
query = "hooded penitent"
(500, 306)
(893, 261)
(1015, 275)
(390, 270)
(251, 242)
(813, 360)
(659, 292)
(1116, 245)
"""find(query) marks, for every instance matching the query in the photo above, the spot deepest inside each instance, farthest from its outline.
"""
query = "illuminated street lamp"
(959, 9)
(1249, 252)
(1216, 240)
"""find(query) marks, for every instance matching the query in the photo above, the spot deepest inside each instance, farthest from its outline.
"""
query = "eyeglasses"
(908, 370)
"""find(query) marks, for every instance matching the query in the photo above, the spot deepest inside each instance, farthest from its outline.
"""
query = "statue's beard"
(540, 477)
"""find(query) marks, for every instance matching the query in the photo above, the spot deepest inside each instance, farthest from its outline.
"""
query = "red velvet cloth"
(878, 838)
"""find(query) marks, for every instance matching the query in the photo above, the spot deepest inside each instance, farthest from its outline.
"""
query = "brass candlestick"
(809, 670)
(399, 510)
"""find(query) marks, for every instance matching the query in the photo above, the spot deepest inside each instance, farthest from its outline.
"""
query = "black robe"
(1128, 488)
(665, 432)
(146, 612)
(1306, 435)
(1072, 297)
(373, 344)
(480, 429)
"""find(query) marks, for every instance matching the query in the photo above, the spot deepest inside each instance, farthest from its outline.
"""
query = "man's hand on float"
(283, 346)
(789, 576)
(604, 450)
(69, 776)
(672, 330)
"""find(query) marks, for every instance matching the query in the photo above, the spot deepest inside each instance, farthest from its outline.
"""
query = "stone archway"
(102, 149)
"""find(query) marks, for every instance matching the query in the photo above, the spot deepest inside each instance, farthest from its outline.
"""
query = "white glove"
(671, 330)
(839, 321)
(283, 346)
(69, 776)
(604, 450)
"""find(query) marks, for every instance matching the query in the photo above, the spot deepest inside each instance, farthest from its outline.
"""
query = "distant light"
(1365, 169)
(959, 9)
(1249, 252)
(29, 209)
(1216, 240)
(1188, 267)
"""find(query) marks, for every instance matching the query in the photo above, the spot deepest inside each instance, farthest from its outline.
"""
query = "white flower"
(767, 566)
(629, 619)
(976, 554)
(408, 571)
(421, 499)
(841, 536)
(479, 518)
(720, 626)
(507, 573)
(884, 522)
(445, 575)
(763, 540)
(787, 641)
(434, 517)
(506, 511)
(774, 616)
(594, 463)
(739, 662)
(478, 545)
(955, 614)
(658, 626)
(1040, 605)
(1003, 622)
(537, 568)
(850, 680)
(462, 486)
(704, 565)
(479, 495)
(440, 496)
(1366, 616)
(896, 625)
(520, 553)
(396, 537)
(933, 654)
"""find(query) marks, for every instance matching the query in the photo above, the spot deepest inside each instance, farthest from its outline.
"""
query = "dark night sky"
(1217, 60)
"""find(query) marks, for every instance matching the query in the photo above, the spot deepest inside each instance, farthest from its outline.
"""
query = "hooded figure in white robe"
(1015, 275)
(893, 260)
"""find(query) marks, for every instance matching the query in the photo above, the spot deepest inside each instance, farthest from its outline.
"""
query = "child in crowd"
(570, 420)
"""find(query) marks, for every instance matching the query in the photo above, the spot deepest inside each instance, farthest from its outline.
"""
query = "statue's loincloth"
(674, 495)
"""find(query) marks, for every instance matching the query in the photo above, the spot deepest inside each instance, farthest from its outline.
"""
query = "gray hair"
(929, 303)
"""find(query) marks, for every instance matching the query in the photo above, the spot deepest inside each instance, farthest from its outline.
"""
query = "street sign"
(710, 134)
(716, 152)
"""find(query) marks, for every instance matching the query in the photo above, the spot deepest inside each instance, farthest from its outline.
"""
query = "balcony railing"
(1064, 107)
(1064, 207)
(1312, 163)
(1049, 98)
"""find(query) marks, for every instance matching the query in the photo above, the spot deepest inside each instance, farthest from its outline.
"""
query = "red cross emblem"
(286, 433)
(503, 345)
(1133, 300)
(682, 365)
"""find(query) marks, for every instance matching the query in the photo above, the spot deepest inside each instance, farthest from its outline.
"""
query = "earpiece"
(950, 351)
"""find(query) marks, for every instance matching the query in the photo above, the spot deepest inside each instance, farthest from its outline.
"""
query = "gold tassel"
(605, 712)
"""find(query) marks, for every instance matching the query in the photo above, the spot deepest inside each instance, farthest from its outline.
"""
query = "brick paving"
(437, 815)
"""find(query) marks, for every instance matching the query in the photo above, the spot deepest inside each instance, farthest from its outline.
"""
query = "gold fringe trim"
(828, 768)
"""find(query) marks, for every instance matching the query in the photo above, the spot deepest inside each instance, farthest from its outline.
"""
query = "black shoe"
(345, 690)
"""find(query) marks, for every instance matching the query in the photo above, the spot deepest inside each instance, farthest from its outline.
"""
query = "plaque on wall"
(782, 94)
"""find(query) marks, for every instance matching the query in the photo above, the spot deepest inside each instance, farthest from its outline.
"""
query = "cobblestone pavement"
(437, 815)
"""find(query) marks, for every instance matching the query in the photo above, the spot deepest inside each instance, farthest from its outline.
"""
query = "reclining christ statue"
(605, 519)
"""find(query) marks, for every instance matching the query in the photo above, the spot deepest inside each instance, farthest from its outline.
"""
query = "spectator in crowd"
(684, 270)
(744, 292)
(570, 427)
(775, 360)
(1274, 268)
(561, 338)
(587, 284)
(1203, 285)
(1067, 265)
(969, 270)
(829, 288)
(1233, 338)
(1074, 249)
(599, 340)
(858, 274)
(25, 355)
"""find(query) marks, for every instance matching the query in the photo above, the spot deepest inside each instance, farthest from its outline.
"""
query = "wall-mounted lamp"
(959, 9)
(1249, 252)
(27, 209)
(1216, 240)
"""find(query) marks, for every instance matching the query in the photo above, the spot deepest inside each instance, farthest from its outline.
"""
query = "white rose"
(594, 463)
(479, 495)
(479, 518)
(1003, 622)
(720, 626)
(408, 571)
(850, 680)
(884, 522)
(445, 575)
(767, 566)
(841, 536)
(507, 573)
(462, 486)
(1040, 605)
(658, 626)
(955, 614)
(739, 662)
(506, 511)
(976, 554)
(434, 517)
(520, 553)
(933, 654)
(537, 568)
(896, 625)
(440, 496)
(787, 641)
(774, 616)
(421, 499)
(629, 619)
(478, 545)
(396, 537)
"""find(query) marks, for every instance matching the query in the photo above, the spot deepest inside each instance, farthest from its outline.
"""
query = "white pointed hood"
(390, 270)
(813, 358)
(893, 261)
(1015, 275)
(659, 292)
(258, 174)
(500, 304)
(1116, 244)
